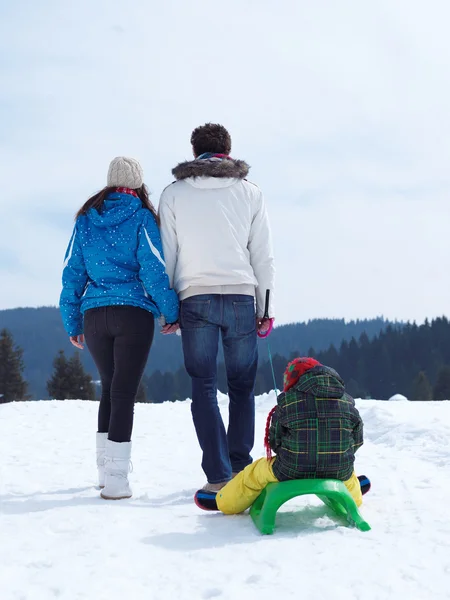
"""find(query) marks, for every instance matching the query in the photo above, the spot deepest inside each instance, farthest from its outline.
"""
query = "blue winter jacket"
(115, 257)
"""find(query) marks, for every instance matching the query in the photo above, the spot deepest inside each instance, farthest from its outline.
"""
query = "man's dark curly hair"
(211, 138)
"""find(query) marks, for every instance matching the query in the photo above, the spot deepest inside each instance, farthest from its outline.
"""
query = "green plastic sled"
(332, 492)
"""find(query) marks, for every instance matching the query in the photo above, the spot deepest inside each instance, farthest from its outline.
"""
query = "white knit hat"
(125, 172)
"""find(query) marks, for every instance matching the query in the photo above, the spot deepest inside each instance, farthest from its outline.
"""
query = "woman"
(114, 284)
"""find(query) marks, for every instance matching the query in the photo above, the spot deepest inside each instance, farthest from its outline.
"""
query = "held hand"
(77, 341)
(170, 328)
(264, 326)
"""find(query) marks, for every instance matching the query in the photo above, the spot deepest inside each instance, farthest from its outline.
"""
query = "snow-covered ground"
(59, 540)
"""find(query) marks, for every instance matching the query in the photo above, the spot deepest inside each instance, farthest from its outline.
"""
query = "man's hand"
(77, 341)
(170, 328)
(264, 326)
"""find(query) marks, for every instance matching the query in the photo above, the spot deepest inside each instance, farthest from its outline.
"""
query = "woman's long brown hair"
(96, 201)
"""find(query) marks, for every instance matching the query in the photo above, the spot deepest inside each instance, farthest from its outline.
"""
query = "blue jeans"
(202, 319)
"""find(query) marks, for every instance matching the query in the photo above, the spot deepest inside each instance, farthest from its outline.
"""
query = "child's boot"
(364, 482)
(206, 500)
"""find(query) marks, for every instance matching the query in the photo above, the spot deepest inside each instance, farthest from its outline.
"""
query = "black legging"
(119, 339)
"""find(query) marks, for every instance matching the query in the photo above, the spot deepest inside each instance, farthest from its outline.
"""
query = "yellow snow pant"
(240, 493)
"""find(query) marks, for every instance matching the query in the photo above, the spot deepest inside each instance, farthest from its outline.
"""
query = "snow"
(398, 398)
(59, 540)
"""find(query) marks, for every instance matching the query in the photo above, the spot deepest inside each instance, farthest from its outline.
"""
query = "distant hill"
(39, 331)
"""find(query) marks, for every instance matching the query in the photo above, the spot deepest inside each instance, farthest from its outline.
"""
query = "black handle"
(266, 308)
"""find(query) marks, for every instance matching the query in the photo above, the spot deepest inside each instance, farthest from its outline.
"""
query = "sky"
(341, 109)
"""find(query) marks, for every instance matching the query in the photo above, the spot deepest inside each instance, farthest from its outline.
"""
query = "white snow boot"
(101, 445)
(117, 467)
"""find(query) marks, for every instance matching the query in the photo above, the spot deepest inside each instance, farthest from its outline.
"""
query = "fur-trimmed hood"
(211, 167)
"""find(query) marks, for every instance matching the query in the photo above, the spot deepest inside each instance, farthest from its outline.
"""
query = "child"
(314, 431)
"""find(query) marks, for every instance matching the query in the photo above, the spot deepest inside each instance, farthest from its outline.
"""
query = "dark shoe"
(214, 487)
(206, 500)
(364, 482)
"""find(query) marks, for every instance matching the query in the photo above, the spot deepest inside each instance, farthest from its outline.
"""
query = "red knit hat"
(296, 369)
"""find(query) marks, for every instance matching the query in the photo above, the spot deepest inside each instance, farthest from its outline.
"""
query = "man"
(218, 251)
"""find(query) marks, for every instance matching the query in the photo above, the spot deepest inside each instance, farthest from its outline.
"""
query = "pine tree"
(82, 386)
(422, 389)
(330, 357)
(161, 387)
(141, 395)
(353, 388)
(442, 387)
(182, 384)
(12, 385)
(69, 379)
(153, 386)
(59, 383)
(169, 387)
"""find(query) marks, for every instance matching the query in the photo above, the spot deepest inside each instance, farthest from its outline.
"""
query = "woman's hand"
(77, 341)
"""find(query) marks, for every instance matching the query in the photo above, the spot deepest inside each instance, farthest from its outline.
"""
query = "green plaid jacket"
(316, 429)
